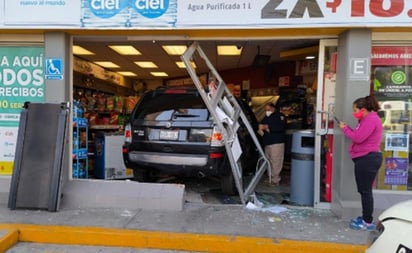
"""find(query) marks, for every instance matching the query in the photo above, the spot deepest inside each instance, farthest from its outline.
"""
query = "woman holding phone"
(365, 152)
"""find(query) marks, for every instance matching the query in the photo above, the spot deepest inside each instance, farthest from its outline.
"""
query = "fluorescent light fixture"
(159, 74)
(107, 64)
(299, 53)
(126, 73)
(146, 64)
(310, 57)
(174, 49)
(125, 49)
(182, 65)
(78, 50)
(229, 50)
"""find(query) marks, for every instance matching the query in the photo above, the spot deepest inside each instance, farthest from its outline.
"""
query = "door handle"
(324, 131)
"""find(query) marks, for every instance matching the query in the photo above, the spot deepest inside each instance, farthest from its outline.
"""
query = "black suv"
(171, 131)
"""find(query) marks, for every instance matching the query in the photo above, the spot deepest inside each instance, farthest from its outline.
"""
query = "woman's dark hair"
(368, 102)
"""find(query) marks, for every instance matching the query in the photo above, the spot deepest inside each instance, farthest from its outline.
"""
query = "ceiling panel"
(152, 51)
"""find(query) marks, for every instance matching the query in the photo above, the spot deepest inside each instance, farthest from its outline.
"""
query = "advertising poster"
(21, 80)
(392, 68)
(397, 142)
(396, 171)
(128, 13)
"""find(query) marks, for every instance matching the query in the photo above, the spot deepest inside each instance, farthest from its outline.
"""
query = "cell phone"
(336, 119)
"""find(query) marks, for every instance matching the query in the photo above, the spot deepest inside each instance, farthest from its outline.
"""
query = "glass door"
(325, 106)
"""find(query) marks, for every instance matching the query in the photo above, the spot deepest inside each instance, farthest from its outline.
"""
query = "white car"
(394, 230)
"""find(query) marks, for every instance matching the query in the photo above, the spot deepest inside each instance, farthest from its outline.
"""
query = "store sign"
(21, 80)
(54, 68)
(205, 14)
(359, 69)
(391, 56)
(42, 12)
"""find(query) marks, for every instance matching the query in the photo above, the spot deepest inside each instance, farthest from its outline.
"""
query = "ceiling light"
(229, 50)
(159, 74)
(126, 73)
(125, 50)
(182, 65)
(174, 49)
(107, 64)
(299, 53)
(146, 64)
(310, 57)
(78, 50)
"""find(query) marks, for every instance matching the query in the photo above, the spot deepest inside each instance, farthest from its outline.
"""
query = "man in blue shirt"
(273, 130)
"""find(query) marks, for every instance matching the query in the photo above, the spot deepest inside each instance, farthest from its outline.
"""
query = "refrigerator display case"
(109, 158)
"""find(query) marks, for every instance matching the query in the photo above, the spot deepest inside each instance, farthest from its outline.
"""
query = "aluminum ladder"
(223, 106)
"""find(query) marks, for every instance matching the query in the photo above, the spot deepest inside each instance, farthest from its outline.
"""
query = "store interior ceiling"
(256, 53)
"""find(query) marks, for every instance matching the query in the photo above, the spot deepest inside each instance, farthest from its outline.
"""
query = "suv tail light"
(217, 137)
(128, 133)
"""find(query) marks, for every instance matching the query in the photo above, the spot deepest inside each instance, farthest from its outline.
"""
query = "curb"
(109, 237)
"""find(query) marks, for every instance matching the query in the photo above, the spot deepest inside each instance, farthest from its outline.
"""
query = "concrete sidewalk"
(198, 227)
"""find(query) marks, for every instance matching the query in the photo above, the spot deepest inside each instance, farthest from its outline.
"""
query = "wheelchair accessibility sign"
(54, 68)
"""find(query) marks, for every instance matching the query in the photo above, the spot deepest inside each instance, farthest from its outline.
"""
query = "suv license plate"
(169, 135)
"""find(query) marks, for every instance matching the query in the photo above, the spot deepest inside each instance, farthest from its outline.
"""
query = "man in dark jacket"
(273, 130)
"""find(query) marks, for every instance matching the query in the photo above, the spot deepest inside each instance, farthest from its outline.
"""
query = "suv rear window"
(177, 107)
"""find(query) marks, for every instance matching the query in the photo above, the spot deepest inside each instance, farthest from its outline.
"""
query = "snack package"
(131, 101)
(110, 103)
(91, 103)
(100, 102)
(92, 118)
(114, 119)
(119, 104)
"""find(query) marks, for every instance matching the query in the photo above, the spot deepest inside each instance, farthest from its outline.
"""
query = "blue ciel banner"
(128, 13)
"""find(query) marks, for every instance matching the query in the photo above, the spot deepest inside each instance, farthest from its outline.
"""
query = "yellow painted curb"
(97, 236)
(9, 238)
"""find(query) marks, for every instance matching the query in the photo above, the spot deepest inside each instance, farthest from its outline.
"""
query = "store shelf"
(105, 127)
(80, 148)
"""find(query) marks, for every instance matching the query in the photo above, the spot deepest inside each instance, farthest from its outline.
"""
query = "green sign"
(21, 80)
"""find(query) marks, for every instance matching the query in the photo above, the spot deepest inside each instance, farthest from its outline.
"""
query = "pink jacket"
(366, 137)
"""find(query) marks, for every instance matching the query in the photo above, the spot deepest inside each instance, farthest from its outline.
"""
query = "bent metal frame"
(226, 111)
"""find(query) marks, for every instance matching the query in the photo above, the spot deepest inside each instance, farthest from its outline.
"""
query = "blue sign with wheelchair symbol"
(54, 68)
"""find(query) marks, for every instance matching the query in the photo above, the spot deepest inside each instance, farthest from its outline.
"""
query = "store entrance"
(266, 71)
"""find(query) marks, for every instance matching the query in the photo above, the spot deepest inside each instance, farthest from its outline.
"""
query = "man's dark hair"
(271, 105)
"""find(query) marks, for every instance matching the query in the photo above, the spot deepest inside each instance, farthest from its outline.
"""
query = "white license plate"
(169, 135)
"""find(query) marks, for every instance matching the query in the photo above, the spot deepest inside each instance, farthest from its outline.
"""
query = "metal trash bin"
(302, 167)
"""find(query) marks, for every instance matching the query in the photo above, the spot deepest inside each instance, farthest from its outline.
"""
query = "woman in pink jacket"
(365, 152)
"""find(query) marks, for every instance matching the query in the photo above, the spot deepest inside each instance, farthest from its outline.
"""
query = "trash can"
(302, 167)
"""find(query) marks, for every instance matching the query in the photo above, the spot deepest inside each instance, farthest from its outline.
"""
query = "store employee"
(273, 130)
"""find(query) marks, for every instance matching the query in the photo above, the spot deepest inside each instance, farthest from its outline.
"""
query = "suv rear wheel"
(141, 175)
(228, 184)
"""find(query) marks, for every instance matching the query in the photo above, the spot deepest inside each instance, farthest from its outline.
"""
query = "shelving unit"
(80, 148)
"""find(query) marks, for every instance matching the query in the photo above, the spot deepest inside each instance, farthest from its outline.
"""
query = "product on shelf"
(80, 147)
(109, 103)
(131, 101)
(91, 103)
(119, 104)
(100, 102)
(78, 111)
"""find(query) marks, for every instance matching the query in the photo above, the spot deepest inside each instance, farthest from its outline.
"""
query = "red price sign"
(377, 8)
